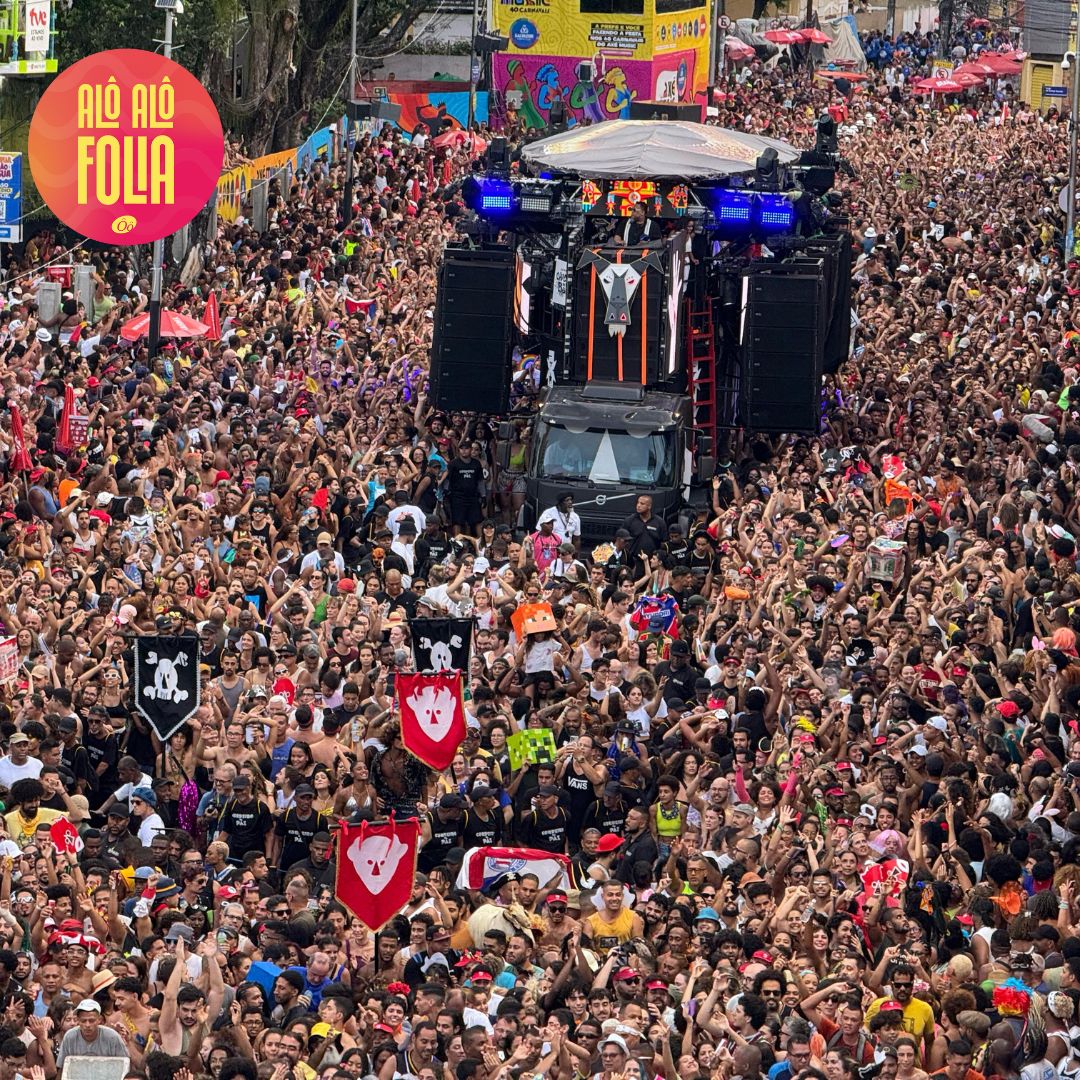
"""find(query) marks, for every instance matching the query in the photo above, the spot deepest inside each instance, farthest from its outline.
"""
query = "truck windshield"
(606, 457)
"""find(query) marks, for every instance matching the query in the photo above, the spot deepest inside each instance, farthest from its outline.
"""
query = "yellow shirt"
(22, 831)
(918, 1017)
(607, 935)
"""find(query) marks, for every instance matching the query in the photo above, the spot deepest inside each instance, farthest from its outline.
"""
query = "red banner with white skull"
(432, 716)
(376, 865)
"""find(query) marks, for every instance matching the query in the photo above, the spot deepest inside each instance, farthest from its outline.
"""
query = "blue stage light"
(496, 196)
(733, 208)
(775, 214)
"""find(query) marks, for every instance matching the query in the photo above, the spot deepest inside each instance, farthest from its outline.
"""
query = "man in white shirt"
(402, 510)
(323, 554)
(144, 807)
(566, 521)
(18, 764)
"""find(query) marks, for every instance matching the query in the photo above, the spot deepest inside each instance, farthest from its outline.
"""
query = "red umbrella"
(783, 37)
(212, 318)
(938, 86)
(173, 324)
(457, 138)
(968, 78)
(813, 36)
(20, 459)
(1000, 64)
(739, 50)
(973, 67)
(851, 76)
(63, 431)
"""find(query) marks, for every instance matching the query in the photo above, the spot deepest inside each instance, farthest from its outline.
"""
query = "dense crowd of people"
(822, 824)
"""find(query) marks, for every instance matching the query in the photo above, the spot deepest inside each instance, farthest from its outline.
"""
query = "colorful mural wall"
(442, 106)
(597, 64)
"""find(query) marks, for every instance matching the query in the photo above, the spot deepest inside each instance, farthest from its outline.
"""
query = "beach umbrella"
(174, 324)
(938, 86)
(783, 37)
(813, 36)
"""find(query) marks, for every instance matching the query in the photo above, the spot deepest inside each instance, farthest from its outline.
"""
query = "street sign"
(723, 22)
(11, 198)
(1055, 91)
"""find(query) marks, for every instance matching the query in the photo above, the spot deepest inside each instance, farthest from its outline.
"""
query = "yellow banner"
(233, 186)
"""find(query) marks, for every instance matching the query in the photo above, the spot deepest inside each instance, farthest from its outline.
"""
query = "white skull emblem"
(376, 860)
(434, 710)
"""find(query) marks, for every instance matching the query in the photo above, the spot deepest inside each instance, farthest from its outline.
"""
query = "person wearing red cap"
(556, 924)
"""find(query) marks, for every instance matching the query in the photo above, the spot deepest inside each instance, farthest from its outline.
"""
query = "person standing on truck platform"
(566, 521)
(647, 533)
(638, 229)
(465, 486)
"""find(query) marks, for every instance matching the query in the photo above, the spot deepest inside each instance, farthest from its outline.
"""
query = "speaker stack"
(784, 328)
(470, 356)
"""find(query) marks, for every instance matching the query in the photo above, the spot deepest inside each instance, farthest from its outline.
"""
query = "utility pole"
(472, 64)
(1074, 130)
(346, 202)
(890, 18)
(172, 8)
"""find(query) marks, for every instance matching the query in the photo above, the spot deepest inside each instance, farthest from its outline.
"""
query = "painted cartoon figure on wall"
(618, 97)
(548, 90)
(518, 83)
(583, 97)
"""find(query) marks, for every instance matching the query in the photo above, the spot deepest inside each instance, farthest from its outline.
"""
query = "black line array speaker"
(836, 250)
(784, 327)
(474, 333)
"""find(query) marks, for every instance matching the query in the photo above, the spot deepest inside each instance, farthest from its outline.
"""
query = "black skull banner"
(166, 681)
(441, 644)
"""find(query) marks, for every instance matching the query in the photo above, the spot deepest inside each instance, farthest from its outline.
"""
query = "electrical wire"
(405, 48)
(37, 269)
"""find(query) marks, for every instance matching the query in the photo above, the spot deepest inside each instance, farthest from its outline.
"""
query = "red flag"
(432, 716)
(65, 836)
(76, 334)
(63, 431)
(212, 318)
(376, 865)
(20, 459)
(447, 175)
(430, 171)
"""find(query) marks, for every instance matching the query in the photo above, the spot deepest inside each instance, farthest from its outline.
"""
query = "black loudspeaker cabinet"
(836, 251)
(665, 110)
(474, 331)
(784, 327)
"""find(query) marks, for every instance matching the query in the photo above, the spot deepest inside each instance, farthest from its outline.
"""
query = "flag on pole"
(483, 866)
(20, 459)
(376, 864)
(212, 318)
(63, 431)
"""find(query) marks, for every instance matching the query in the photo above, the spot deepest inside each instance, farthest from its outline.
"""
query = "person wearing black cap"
(608, 813)
(440, 831)
(679, 671)
(246, 823)
(295, 828)
(483, 825)
(547, 825)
